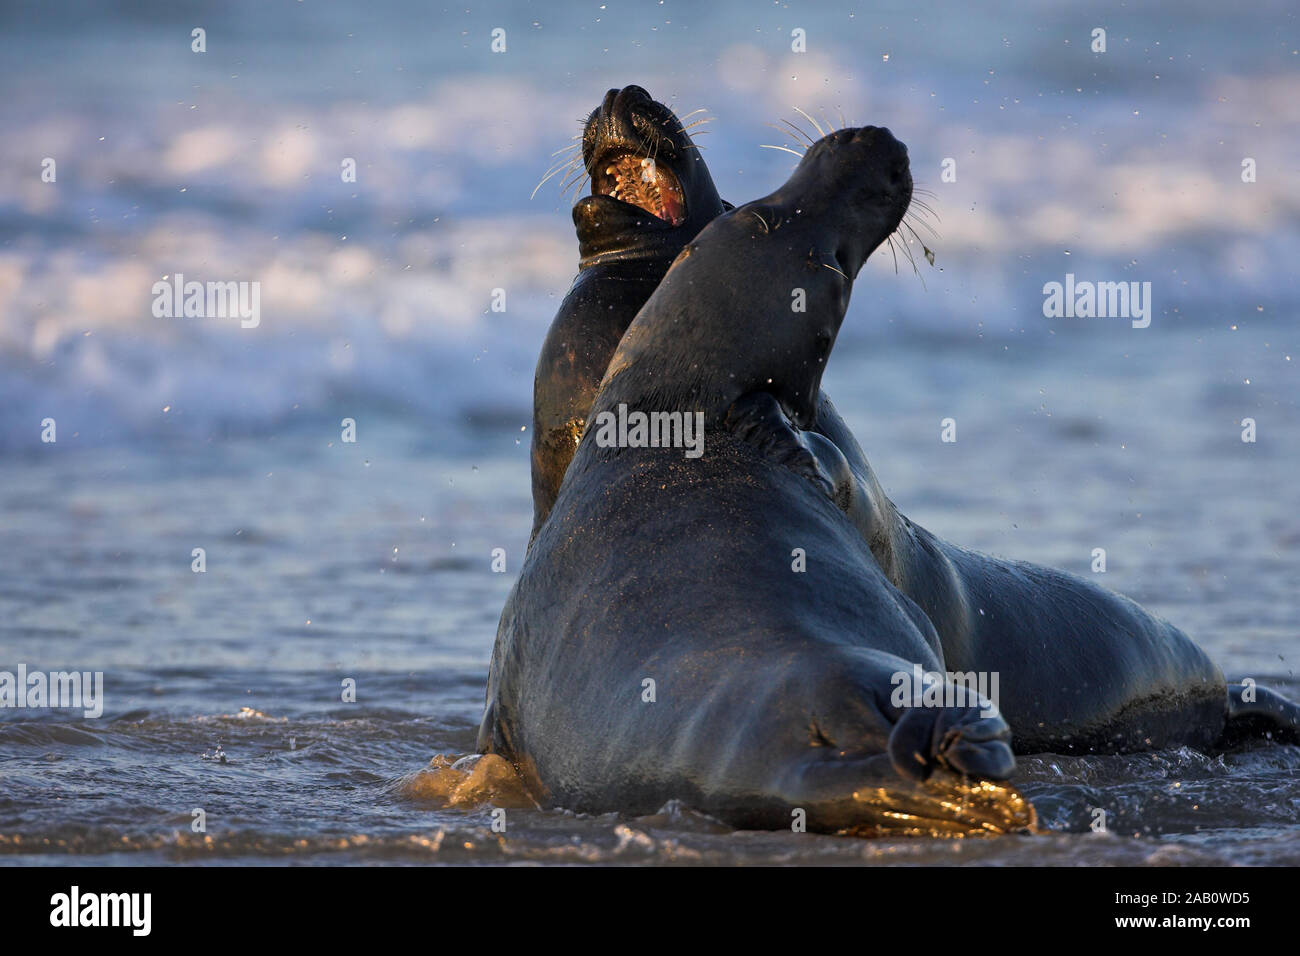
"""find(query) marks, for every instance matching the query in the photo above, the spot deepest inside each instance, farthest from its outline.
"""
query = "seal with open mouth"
(651, 194)
(659, 644)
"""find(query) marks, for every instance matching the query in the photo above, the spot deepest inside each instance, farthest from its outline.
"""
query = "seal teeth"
(638, 181)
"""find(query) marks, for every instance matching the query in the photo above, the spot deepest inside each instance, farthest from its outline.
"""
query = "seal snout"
(865, 163)
(893, 154)
(629, 95)
(885, 154)
(856, 185)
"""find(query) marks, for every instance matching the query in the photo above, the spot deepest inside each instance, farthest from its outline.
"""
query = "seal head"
(651, 189)
(791, 256)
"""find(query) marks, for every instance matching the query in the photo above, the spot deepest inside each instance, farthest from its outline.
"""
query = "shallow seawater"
(330, 561)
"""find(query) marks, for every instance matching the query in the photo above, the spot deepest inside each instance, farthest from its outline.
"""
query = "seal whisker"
(702, 121)
(913, 222)
(578, 188)
(916, 235)
(567, 163)
(799, 132)
(798, 143)
(907, 250)
(923, 204)
(911, 257)
(917, 218)
(816, 125)
(575, 178)
(563, 167)
(782, 148)
(928, 252)
(563, 160)
(920, 211)
(553, 171)
(836, 271)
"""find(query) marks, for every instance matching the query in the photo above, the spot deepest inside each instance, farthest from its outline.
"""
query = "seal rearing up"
(651, 194)
(659, 643)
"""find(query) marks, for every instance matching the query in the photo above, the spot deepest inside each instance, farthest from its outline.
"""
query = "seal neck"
(611, 233)
(652, 247)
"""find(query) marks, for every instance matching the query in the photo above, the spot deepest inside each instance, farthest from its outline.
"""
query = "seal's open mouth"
(642, 182)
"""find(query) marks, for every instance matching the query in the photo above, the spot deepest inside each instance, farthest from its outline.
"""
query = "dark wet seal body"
(1081, 669)
(651, 194)
(771, 688)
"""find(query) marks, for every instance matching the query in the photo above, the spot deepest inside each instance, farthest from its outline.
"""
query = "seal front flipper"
(939, 775)
(1266, 713)
(970, 739)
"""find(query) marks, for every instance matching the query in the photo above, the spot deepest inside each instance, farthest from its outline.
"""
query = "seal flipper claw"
(1269, 713)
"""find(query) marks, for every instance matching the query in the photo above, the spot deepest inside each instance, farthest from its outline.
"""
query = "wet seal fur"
(658, 644)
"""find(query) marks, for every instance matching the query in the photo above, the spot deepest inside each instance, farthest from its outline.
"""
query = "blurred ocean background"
(328, 560)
